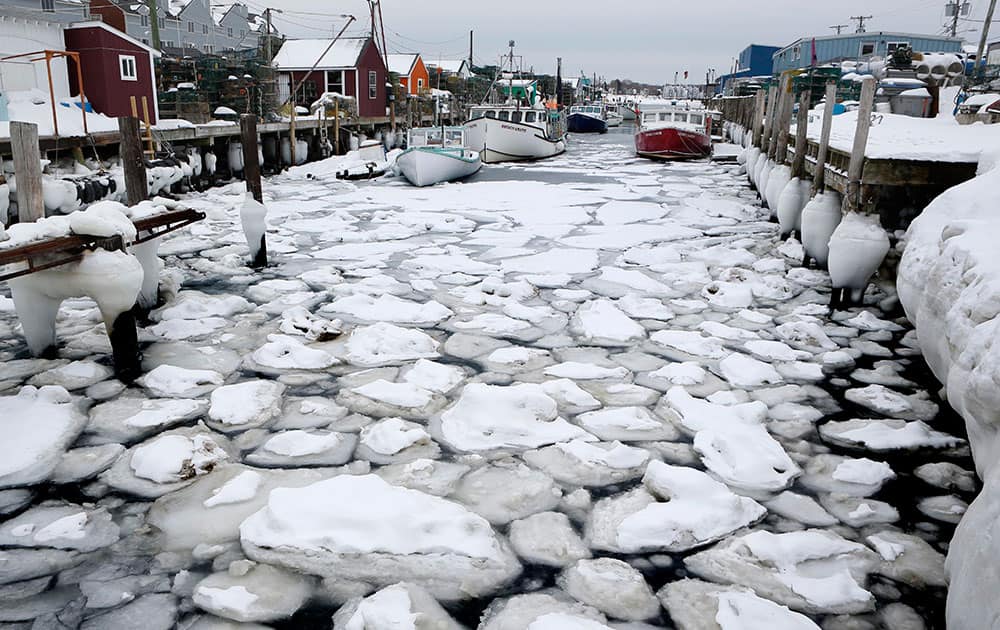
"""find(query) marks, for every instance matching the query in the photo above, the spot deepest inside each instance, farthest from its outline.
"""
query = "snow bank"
(949, 285)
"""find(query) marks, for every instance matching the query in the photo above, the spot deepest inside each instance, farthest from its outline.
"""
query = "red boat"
(673, 131)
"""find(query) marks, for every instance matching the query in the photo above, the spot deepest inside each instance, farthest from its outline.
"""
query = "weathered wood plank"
(28, 171)
(136, 187)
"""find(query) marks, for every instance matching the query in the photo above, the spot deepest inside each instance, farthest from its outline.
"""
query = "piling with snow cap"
(253, 215)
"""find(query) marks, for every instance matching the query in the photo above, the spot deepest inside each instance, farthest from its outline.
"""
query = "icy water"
(598, 380)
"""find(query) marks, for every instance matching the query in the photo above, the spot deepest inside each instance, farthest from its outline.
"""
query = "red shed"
(351, 67)
(115, 68)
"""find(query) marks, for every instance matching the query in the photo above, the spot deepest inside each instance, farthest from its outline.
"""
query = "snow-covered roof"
(175, 7)
(401, 63)
(301, 54)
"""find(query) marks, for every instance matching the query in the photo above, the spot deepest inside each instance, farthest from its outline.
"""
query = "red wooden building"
(115, 68)
(412, 72)
(351, 67)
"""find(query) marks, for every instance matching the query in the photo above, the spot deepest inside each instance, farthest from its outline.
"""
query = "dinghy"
(436, 155)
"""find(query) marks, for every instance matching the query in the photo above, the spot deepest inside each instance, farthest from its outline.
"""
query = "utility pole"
(980, 62)
(954, 10)
(267, 16)
(559, 82)
(154, 23)
(860, 19)
(839, 27)
(470, 51)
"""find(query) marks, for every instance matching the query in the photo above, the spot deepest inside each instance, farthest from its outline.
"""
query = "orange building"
(411, 71)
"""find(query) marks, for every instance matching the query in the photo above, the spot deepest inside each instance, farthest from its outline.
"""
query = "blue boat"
(587, 119)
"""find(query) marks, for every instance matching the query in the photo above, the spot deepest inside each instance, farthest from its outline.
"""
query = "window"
(696, 119)
(144, 20)
(796, 53)
(680, 118)
(190, 27)
(867, 49)
(892, 46)
(49, 6)
(126, 65)
(491, 114)
(229, 31)
(529, 117)
(145, 41)
(515, 117)
(242, 33)
(420, 84)
(504, 115)
(163, 23)
(168, 44)
(335, 81)
(372, 84)
(204, 29)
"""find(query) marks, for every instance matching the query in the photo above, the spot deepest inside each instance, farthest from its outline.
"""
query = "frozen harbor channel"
(592, 392)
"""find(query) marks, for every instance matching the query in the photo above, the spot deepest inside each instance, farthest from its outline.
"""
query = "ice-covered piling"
(253, 216)
(113, 279)
(820, 218)
(857, 248)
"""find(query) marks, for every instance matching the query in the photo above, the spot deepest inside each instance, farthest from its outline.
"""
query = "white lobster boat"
(437, 154)
(509, 133)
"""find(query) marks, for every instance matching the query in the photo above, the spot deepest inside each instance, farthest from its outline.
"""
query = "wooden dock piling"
(787, 100)
(758, 116)
(819, 177)
(801, 140)
(136, 186)
(852, 200)
(251, 172)
(27, 171)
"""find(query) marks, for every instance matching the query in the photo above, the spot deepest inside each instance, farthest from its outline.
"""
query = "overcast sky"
(645, 40)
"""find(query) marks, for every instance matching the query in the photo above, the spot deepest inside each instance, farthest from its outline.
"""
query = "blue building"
(857, 46)
(754, 61)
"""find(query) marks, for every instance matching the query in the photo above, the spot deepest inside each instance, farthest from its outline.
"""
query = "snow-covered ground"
(592, 392)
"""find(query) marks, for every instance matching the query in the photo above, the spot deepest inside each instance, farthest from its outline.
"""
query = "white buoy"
(286, 151)
(857, 248)
(211, 162)
(301, 152)
(236, 157)
(820, 218)
(763, 177)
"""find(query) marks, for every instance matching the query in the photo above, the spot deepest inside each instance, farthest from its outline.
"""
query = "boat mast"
(518, 102)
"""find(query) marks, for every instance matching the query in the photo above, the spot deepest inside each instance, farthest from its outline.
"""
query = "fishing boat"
(370, 163)
(587, 119)
(435, 155)
(675, 130)
(613, 115)
(519, 125)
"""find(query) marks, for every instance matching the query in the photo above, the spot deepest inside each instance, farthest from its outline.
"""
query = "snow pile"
(949, 284)
(390, 533)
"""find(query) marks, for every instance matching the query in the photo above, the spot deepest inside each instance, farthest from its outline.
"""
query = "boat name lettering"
(513, 128)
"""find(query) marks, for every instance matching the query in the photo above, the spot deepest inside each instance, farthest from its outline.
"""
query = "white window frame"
(372, 85)
(204, 29)
(229, 31)
(861, 48)
(190, 26)
(125, 63)
(891, 46)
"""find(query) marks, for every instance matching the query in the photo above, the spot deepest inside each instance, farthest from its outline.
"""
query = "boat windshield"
(437, 137)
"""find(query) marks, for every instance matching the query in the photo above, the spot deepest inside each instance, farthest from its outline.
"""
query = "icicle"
(254, 215)
(146, 254)
(857, 248)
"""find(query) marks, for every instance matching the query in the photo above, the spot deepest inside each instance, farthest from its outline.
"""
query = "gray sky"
(646, 40)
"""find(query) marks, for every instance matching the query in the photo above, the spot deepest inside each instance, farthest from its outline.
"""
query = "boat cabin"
(533, 117)
(590, 110)
(444, 137)
(673, 116)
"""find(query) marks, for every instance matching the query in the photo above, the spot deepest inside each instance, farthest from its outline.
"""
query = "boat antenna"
(511, 44)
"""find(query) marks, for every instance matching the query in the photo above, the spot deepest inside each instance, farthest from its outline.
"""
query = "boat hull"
(581, 123)
(671, 143)
(501, 141)
(614, 119)
(426, 167)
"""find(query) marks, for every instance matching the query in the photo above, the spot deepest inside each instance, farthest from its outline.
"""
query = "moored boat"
(676, 130)
(586, 119)
(436, 155)
(519, 126)
(613, 115)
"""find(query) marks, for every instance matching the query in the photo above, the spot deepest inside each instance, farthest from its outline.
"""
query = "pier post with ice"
(860, 243)
(27, 171)
(253, 213)
(130, 147)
